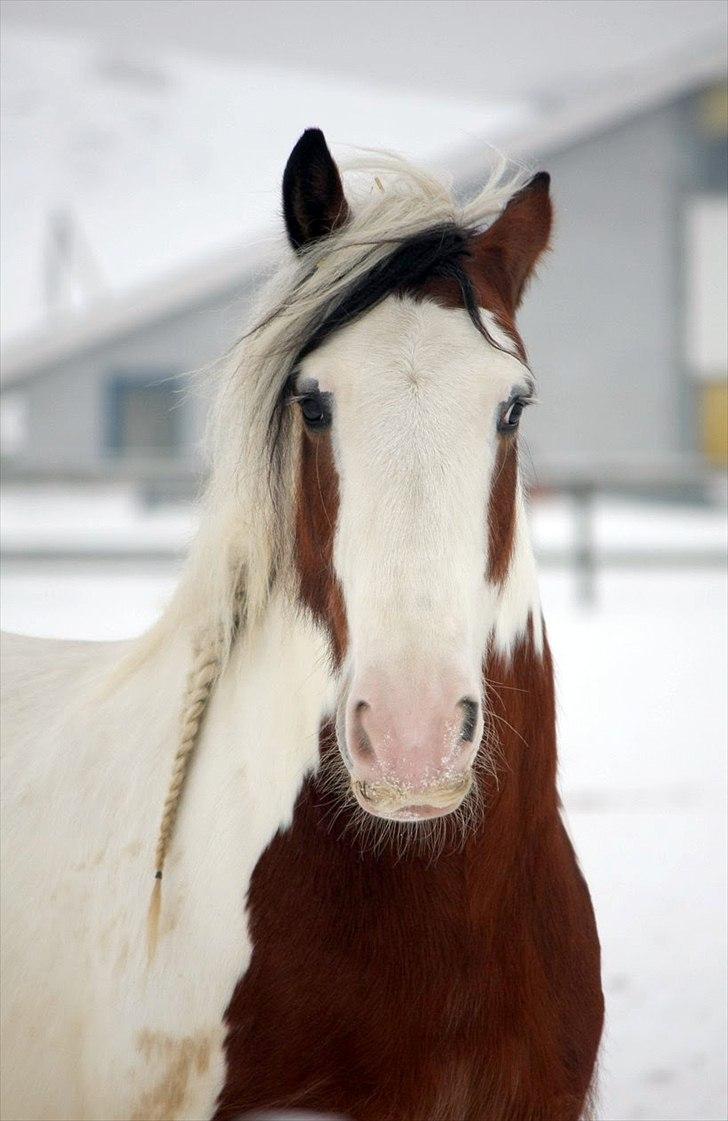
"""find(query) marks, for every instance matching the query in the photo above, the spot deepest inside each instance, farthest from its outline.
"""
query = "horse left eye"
(511, 414)
(315, 410)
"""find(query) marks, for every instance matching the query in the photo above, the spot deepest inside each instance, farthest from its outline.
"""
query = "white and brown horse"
(370, 906)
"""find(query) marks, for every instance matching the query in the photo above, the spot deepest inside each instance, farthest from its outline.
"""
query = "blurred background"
(143, 143)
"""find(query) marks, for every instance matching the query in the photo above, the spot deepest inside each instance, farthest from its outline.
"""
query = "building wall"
(67, 408)
(602, 321)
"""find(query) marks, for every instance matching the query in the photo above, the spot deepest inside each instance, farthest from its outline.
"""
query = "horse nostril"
(470, 718)
(363, 745)
(414, 735)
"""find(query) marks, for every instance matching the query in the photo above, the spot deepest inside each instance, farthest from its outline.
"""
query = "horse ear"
(313, 197)
(508, 250)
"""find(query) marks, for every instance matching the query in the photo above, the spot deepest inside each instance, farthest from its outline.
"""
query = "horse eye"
(511, 414)
(316, 410)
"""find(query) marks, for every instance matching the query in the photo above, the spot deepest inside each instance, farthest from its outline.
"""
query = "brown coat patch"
(502, 509)
(401, 988)
(317, 510)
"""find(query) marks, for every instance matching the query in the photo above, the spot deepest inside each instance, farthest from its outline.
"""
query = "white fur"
(416, 392)
(91, 1028)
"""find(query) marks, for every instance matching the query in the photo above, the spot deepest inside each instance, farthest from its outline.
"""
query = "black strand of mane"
(434, 253)
(437, 253)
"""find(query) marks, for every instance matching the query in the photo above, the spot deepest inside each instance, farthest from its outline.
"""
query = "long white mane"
(243, 544)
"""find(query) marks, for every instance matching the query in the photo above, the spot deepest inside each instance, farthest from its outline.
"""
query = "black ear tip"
(540, 182)
(310, 141)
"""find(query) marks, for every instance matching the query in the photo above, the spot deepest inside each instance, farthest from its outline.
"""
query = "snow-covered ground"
(643, 738)
(113, 517)
(642, 696)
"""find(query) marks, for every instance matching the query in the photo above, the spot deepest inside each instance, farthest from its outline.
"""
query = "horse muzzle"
(401, 803)
(409, 739)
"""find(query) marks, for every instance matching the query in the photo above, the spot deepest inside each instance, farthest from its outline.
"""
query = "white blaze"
(416, 391)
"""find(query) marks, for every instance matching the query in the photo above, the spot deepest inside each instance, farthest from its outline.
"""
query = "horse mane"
(405, 224)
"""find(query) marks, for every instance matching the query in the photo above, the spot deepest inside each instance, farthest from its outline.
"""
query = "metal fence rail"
(584, 482)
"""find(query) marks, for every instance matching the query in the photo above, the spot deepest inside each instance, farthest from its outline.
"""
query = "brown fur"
(501, 509)
(316, 516)
(462, 985)
(400, 988)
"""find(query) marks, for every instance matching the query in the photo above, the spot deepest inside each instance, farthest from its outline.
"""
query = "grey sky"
(468, 48)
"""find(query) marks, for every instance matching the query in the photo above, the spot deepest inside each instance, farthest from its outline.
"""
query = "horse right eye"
(511, 414)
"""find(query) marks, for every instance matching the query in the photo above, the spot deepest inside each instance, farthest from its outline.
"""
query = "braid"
(200, 681)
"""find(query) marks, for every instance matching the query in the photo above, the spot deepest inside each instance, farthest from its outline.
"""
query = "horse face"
(403, 417)
(407, 505)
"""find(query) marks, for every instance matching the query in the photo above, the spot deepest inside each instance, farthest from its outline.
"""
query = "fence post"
(584, 551)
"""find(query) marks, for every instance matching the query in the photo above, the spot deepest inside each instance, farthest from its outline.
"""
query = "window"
(144, 415)
(705, 242)
(13, 423)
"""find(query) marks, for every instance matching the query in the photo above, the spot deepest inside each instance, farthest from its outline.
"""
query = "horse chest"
(371, 993)
(396, 990)
(391, 1048)
(362, 1035)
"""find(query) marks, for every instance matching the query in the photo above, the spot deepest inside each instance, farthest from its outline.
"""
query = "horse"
(361, 900)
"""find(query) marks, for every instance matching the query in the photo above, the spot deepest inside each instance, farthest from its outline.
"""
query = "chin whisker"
(372, 836)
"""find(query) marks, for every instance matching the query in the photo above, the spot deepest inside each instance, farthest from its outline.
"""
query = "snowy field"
(642, 691)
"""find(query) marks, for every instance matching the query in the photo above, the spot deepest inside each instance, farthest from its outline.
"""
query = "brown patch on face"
(386, 985)
(502, 509)
(446, 292)
(317, 512)
(177, 1060)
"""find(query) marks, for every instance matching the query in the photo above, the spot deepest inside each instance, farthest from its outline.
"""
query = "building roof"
(205, 280)
(123, 314)
(602, 109)
(129, 166)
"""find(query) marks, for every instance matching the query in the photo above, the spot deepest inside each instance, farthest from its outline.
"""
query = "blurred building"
(625, 329)
(626, 325)
(108, 390)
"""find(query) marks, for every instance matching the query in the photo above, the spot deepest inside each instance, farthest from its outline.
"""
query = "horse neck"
(519, 786)
(271, 693)
(520, 735)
